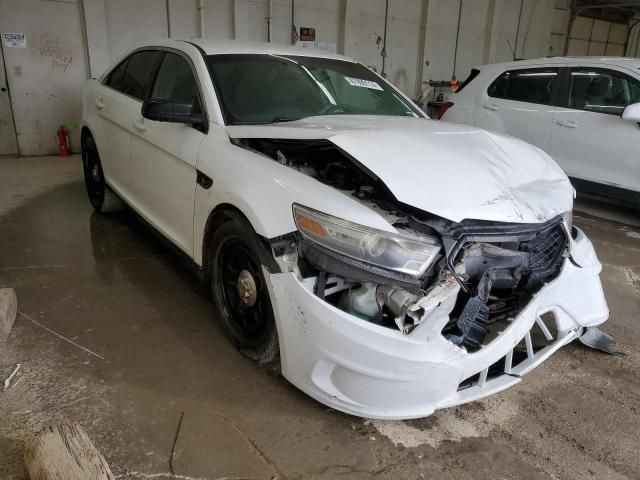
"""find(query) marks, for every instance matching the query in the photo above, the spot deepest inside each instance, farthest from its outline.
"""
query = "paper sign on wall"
(307, 34)
(18, 40)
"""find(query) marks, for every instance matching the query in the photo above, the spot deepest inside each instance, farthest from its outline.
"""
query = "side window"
(175, 81)
(533, 85)
(138, 75)
(115, 77)
(602, 91)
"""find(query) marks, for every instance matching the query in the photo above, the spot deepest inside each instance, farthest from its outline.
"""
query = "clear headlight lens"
(403, 253)
(568, 220)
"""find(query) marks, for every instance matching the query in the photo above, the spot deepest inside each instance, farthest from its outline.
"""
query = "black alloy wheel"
(240, 291)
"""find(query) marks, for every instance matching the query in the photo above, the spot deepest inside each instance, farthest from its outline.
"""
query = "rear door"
(164, 154)
(519, 102)
(118, 104)
(589, 140)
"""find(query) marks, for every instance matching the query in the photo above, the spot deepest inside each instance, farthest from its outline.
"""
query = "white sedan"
(583, 111)
(387, 264)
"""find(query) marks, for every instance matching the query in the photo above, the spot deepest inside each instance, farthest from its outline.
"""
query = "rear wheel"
(240, 291)
(100, 195)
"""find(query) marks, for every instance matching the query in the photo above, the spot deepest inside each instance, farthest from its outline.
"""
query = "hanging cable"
(455, 51)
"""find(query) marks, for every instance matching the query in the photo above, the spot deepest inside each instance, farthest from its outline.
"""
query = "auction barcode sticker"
(359, 82)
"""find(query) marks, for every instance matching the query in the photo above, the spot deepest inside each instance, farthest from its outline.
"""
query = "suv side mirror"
(632, 113)
(173, 112)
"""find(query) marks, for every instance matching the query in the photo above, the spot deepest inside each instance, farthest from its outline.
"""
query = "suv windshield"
(258, 89)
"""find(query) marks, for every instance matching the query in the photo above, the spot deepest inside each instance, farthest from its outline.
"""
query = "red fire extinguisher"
(64, 144)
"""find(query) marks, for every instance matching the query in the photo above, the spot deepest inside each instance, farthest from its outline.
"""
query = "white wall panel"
(618, 33)
(600, 32)
(184, 19)
(363, 25)
(217, 15)
(131, 24)
(578, 48)
(581, 28)
(442, 22)
(597, 49)
(46, 77)
(614, 50)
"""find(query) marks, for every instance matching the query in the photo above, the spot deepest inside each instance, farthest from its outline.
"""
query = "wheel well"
(216, 217)
(84, 133)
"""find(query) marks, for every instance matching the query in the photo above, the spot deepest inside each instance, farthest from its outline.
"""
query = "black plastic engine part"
(474, 319)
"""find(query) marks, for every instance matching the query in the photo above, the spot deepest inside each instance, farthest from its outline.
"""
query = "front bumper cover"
(371, 371)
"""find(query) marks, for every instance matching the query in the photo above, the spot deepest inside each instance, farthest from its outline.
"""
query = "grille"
(545, 249)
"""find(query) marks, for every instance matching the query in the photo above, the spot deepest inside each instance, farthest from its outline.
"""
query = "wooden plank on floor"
(64, 451)
(8, 309)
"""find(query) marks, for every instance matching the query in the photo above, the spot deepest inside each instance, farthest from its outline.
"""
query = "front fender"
(264, 191)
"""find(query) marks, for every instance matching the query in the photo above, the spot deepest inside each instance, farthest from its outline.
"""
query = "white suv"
(389, 264)
(584, 112)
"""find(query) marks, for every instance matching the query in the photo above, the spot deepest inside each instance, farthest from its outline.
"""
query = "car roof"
(217, 47)
(619, 61)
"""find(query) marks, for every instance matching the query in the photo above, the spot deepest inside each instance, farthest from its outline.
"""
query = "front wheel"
(240, 291)
(100, 195)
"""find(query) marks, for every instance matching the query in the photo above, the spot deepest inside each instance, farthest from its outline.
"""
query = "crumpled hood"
(453, 171)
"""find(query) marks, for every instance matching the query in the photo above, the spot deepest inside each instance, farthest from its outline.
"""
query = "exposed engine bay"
(491, 270)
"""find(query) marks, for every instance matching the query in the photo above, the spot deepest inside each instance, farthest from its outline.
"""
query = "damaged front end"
(427, 314)
(397, 280)
(483, 273)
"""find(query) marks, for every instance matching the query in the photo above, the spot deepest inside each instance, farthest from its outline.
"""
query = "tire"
(235, 268)
(102, 198)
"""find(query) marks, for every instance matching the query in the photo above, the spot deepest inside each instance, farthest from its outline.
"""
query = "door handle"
(491, 106)
(139, 125)
(99, 105)
(567, 123)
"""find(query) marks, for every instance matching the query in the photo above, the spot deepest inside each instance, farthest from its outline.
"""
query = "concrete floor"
(143, 347)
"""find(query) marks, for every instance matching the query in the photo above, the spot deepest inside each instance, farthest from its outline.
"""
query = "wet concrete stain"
(107, 284)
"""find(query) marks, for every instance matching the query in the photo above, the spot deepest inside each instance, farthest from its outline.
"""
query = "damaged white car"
(389, 264)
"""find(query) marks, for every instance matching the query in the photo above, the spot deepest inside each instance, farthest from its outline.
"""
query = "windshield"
(273, 88)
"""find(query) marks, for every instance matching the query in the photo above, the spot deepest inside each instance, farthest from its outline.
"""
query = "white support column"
(97, 37)
(488, 29)
(422, 35)
(201, 18)
(240, 18)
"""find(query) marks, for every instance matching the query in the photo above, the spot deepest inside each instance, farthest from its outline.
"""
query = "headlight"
(568, 220)
(409, 254)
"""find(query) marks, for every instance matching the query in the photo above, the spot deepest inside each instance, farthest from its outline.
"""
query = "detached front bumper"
(371, 371)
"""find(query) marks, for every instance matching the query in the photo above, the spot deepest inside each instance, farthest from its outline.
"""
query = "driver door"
(164, 155)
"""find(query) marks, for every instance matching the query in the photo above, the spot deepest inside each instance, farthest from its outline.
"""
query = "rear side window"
(138, 74)
(534, 85)
(602, 91)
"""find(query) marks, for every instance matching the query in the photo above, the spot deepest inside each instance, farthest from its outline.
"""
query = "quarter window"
(175, 82)
(534, 85)
(138, 74)
(602, 91)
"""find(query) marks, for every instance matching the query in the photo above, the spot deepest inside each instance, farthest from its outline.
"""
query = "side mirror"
(632, 113)
(173, 112)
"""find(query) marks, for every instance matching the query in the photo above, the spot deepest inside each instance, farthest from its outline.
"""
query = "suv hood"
(453, 171)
